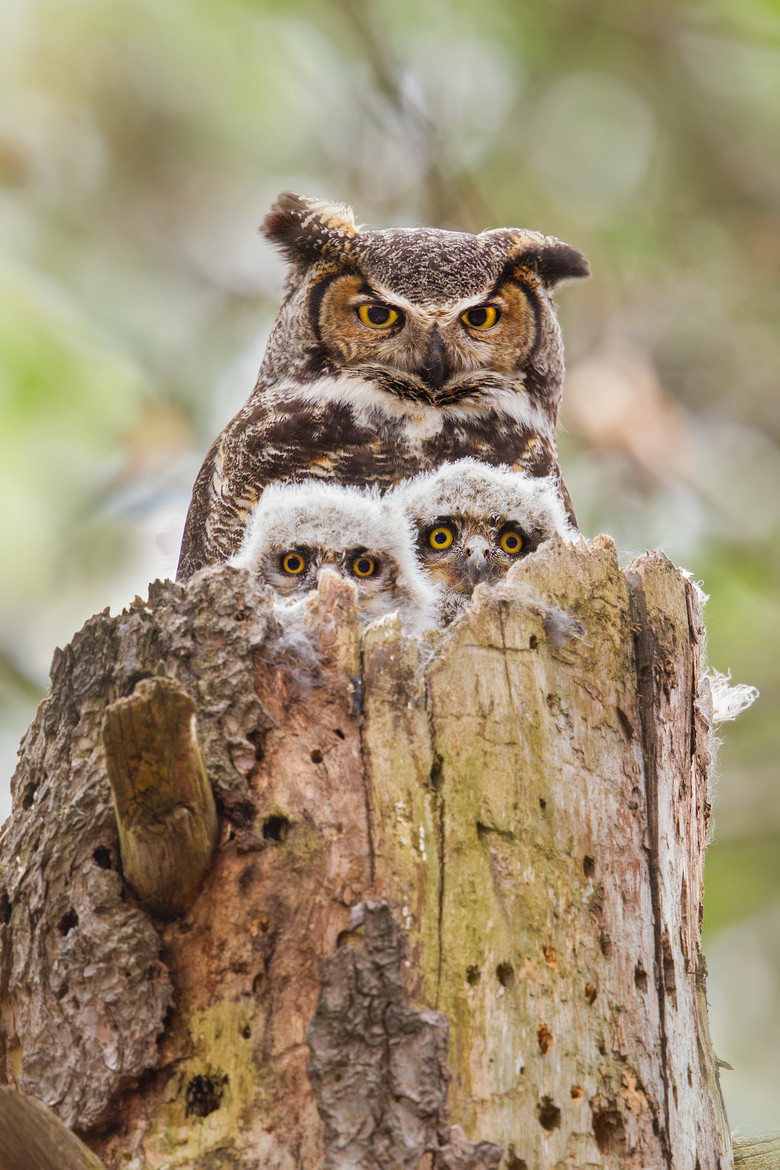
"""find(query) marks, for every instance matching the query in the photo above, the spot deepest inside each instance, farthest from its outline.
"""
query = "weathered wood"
(481, 835)
(84, 992)
(164, 805)
(365, 1038)
(534, 768)
(669, 631)
(757, 1152)
(32, 1138)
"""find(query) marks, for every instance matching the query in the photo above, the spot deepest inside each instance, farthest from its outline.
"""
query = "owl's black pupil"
(440, 538)
(364, 566)
(477, 317)
(293, 564)
(377, 314)
(511, 541)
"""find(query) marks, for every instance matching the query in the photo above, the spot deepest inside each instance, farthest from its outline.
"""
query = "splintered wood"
(452, 918)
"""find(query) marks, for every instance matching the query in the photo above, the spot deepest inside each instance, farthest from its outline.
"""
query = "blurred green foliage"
(140, 145)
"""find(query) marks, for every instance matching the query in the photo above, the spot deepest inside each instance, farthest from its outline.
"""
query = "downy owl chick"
(473, 522)
(297, 530)
(394, 351)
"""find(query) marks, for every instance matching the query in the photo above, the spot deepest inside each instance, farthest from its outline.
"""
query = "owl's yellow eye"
(364, 566)
(293, 563)
(441, 537)
(480, 317)
(511, 542)
(377, 315)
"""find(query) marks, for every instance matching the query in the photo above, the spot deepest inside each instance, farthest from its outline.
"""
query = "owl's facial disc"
(476, 554)
(291, 570)
(436, 370)
(438, 550)
(425, 350)
(461, 551)
(362, 565)
(297, 570)
(364, 568)
(378, 315)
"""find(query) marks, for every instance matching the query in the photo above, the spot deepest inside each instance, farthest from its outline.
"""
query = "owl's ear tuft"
(306, 229)
(553, 261)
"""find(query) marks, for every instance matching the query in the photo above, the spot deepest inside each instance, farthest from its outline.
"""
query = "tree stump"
(452, 918)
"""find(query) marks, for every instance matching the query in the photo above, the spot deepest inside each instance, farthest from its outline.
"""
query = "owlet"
(473, 522)
(297, 531)
(394, 351)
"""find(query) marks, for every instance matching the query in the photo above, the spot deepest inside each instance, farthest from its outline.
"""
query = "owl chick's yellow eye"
(293, 563)
(482, 317)
(440, 537)
(364, 566)
(512, 543)
(377, 315)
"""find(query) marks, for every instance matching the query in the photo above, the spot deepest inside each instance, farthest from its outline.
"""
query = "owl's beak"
(436, 370)
(477, 565)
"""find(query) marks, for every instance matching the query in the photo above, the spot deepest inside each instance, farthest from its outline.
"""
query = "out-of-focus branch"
(451, 198)
(16, 679)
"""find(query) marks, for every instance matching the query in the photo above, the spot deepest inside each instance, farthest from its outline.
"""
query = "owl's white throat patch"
(423, 420)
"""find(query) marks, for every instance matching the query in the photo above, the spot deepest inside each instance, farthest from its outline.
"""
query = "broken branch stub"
(32, 1138)
(453, 917)
(164, 805)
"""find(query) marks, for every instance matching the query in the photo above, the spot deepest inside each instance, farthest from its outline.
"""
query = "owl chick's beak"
(437, 369)
(477, 565)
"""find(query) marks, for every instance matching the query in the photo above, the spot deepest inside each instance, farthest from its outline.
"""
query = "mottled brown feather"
(381, 418)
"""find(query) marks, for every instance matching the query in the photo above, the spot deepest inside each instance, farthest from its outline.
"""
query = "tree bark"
(453, 915)
(758, 1152)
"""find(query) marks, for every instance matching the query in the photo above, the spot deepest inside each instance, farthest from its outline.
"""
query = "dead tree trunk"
(452, 918)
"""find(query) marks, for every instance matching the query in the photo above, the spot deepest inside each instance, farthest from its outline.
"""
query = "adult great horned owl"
(473, 522)
(393, 351)
(296, 531)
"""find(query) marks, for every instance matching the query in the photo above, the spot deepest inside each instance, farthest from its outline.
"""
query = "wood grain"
(520, 801)
(164, 805)
(32, 1138)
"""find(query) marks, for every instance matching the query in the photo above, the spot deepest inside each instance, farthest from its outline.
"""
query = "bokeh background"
(142, 142)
